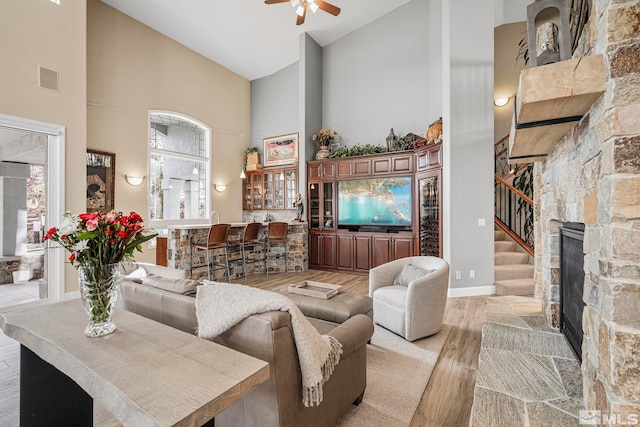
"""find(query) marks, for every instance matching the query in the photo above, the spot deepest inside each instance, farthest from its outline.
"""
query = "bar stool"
(217, 240)
(249, 238)
(277, 235)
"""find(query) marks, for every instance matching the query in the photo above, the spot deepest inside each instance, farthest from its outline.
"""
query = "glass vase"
(99, 291)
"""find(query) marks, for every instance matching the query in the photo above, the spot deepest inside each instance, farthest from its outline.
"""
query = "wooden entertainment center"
(334, 246)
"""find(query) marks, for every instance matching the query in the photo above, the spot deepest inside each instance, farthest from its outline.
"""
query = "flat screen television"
(377, 204)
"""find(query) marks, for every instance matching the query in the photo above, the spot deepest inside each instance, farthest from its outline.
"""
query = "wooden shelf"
(551, 100)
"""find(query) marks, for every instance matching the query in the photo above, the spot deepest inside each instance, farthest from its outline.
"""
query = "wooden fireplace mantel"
(551, 99)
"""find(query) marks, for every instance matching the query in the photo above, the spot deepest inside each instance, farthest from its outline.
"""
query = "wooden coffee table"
(144, 374)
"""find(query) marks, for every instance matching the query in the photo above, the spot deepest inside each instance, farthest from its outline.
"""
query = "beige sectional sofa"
(165, 296)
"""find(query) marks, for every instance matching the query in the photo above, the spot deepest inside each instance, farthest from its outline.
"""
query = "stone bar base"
(179, 252)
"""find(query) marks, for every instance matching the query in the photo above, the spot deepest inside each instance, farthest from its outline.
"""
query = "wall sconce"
(502, 101)
(220, 187)
(134, 180)
(242, 174)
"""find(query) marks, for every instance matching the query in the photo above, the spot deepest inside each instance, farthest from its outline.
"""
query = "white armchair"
(414, 311)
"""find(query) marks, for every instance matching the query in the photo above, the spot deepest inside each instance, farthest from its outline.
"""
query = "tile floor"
(527, 373)
(18, 293)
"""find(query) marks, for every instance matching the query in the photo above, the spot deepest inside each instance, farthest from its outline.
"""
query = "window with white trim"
(179, 166)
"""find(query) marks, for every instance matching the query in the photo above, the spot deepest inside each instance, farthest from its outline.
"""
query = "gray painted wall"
(386, 74)
(274, 105)
(468, 141)
(310, 102)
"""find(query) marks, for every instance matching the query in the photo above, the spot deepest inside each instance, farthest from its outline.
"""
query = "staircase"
(513, 275)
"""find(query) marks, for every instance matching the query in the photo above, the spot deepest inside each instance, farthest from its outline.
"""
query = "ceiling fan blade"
(275, 1)
(300, 19)
(328, 7)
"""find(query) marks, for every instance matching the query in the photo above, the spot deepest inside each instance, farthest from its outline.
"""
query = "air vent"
(47, 78)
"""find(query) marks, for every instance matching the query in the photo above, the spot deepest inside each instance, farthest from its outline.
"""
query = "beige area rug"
(397, 374)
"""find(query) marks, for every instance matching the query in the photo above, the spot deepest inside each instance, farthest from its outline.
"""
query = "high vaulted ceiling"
(247, 36)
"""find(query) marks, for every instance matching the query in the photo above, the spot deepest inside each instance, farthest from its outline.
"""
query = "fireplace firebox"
(572, 284)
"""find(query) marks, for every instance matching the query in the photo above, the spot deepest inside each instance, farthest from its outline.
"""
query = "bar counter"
(179, 251)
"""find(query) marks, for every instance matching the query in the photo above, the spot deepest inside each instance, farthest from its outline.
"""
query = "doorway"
(31, 179)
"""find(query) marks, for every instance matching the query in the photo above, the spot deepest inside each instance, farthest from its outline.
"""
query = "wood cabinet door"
(402, 164)
(345, 252)
(328, 170)
(344, 169)
(315, 249)
(328, 244)
(314, 172)
(361, 253)
(381, 166)
(381, 247)
(402, 247)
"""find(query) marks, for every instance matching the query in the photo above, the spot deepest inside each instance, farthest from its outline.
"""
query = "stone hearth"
(527, 372)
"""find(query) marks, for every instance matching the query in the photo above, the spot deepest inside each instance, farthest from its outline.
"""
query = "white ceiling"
(250, 37)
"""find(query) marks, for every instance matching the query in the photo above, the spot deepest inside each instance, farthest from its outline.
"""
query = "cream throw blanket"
(220, 306)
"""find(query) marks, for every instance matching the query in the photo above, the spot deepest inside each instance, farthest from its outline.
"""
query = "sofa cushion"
(409, 273)
(179, 286)
(137, 275)
(395, 296)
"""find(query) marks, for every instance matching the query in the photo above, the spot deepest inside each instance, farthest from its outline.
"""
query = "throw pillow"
(410, 273)
(179, 286)
(137, 275)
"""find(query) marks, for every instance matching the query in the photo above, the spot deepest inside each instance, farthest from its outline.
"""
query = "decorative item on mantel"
(434, 133)
(323, 138)
(97, 243)
(548, 30)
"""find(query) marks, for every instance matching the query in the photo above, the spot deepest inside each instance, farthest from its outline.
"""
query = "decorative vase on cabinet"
(323, 153)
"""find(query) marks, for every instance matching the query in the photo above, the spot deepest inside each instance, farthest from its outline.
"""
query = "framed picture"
(281, 150)
(101, 173)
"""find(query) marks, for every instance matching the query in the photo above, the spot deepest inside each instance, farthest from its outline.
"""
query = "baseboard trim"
(472, 291)
(71, 295)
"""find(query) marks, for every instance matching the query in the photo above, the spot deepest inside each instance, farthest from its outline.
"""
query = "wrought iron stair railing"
(513, 208)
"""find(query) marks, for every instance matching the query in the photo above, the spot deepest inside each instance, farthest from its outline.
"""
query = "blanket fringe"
(312, 395)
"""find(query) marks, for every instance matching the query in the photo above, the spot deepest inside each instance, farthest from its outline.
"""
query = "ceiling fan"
(301, 7)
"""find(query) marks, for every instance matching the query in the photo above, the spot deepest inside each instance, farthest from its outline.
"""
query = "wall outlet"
(458, 275)
(472, 274)
(481, 222)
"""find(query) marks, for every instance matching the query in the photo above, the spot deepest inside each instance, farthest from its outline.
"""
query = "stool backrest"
(277, 230)
(218, 233)
(251, 231)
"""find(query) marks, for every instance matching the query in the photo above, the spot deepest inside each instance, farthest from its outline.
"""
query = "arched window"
(179, 169)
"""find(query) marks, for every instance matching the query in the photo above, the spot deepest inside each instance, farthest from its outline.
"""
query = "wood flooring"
(446, 401)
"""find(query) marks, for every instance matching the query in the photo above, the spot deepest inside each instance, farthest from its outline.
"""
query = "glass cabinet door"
(327, 201)
(268, 190)
(278, 190)
(246, 193)
(256, 185)
(291, 189)
(314, 205)
(429, 211)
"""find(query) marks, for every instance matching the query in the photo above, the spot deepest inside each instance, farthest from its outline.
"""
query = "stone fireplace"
(593, 177)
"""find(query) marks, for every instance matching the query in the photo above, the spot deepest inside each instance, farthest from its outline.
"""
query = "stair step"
(504, 246)
(505, 258)
(512, 271)
(498, 235)
(515, 287)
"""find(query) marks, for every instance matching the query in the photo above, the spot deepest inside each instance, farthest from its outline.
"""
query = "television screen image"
(375, 202)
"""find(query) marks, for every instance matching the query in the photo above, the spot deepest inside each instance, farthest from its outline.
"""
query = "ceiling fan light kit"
(301, 7)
